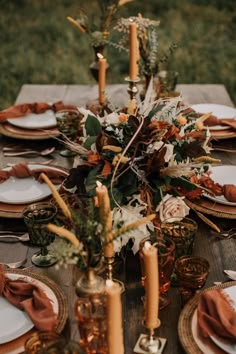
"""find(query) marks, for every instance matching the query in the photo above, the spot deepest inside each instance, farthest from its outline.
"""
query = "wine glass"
(67, 123)
(36, 217)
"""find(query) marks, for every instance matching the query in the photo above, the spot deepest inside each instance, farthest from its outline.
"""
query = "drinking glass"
(67, 123)
(36, 217)
(182, 231)
(192, 273)
(166, 259)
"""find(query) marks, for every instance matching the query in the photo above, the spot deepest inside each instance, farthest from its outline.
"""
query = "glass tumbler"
(166, 260)
(36, 217)
(192, 273)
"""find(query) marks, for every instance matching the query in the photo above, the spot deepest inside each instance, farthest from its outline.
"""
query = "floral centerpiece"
(149, 162)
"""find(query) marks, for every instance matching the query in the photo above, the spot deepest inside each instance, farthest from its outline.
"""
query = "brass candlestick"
(109, 266)
(132, 91)
(149, 343)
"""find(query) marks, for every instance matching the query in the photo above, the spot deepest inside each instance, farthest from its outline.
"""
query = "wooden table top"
(220, 254)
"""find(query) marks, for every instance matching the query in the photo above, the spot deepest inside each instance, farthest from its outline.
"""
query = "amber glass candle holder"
(40, 341)
(166, 259)
(192, 273)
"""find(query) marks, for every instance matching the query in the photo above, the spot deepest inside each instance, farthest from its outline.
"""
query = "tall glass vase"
(90, 312)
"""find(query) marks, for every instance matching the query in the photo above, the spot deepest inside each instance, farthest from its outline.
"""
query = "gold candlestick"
(132, 91)
(149, 343)
(108, 261)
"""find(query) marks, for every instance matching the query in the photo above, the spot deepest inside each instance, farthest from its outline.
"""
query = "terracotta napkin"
(21, 170)
(213, 120)
(31, 299)
(36, 107)
(217, 316)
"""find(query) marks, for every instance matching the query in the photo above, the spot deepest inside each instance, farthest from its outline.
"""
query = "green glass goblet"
(36, 217)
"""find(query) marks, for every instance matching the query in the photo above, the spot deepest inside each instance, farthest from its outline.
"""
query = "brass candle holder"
(149, 343)
(109, 261)
(132, 91)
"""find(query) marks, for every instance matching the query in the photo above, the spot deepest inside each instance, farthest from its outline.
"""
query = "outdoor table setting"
(118, 218)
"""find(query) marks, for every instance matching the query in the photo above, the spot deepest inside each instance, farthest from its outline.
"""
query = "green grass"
(38, 44)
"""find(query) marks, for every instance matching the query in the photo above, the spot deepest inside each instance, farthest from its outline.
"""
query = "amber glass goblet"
(67, 124)
(166, 260)
(192, 273)
(36, 217)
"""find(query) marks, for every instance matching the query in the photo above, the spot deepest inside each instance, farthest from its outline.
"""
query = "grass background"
(38, 44)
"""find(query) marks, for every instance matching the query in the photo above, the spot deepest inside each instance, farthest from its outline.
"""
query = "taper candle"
(114, 318)
(102, 79)
(151, 284)
(105, 218)
(133, 51)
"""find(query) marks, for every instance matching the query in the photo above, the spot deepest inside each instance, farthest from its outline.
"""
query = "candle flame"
(98, 183)
(100, 56)
(147, 245)
(109, 283)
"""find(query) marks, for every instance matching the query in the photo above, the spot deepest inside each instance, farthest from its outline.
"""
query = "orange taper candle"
(133, 68)
(114, 318)
(102, 79)
(105, 218)
(151, 285)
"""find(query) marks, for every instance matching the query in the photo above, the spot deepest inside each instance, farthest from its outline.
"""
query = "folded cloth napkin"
(21, 170)
(229, 191)
(213, 120)
(20, 110)
(31, 299)
(217, 316)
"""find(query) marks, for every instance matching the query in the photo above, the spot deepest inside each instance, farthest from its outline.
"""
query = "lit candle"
(133, 51)
(101, 78)
(114, 318)
(105, 218)
(151, 284)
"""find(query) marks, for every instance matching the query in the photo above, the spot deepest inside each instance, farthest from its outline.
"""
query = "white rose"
(172, 208)
(158, 145)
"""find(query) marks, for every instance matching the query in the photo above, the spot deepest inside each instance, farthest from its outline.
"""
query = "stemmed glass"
(36, 217)
(67, 123)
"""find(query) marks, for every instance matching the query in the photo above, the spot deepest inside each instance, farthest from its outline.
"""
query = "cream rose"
(172, 208)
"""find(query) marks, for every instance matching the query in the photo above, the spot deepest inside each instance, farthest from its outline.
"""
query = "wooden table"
(221, 254)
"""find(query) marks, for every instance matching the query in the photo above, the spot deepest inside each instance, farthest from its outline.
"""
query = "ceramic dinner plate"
(225, 174)
(24, 190)
(192, 341)
(13, 322)
(220, 111)
(35, 121)
(15, 328)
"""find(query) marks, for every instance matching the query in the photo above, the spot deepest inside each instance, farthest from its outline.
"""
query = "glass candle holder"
(182, 231)
(166, 259)
(192, 273)
(40, 341)
(36, 217)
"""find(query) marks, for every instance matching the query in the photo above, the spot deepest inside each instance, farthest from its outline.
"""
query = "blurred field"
(38, 44)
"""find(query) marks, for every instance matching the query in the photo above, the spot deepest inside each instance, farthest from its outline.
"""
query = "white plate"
(222, 175)
(35, 121)
(14, 322)
(206, 347)
(218, 110)
(24, 190)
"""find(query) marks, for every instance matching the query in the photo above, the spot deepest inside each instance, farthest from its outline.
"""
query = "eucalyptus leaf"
(92, 126)
(89, 142)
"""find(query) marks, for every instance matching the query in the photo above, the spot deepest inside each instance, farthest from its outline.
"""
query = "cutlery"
(45, 152)
(11, 237)
(225, 234)
(15, 265)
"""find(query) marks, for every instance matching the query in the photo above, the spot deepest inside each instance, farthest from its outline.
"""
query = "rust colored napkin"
(216, 316)
(20, 110)
(21, 170)
(31, 299)
(213, 120)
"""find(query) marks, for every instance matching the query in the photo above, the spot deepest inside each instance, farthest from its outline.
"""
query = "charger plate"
(26, 134)
(189, 337)
(212, 208)
(55, 294)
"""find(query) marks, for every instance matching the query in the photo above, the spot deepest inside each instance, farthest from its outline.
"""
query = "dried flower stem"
(57, 196)
(62, 232)
(76, 24)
